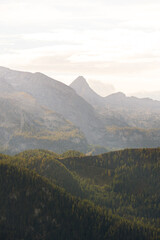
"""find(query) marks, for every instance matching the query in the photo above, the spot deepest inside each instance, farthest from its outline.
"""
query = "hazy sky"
(113, 41)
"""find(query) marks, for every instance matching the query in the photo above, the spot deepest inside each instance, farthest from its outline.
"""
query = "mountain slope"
(57, 97)
(118, 110)
(46, 164)
(127, 182)
(122, 102)
(116, 101)
(32, 208)
(83, 89)
(24, 124)
(128, 122)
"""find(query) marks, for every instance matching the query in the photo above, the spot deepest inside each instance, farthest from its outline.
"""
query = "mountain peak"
(83, 89)
(117, 95)
(79, 82)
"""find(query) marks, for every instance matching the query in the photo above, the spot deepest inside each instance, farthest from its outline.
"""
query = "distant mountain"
(119, 101)
(151, 94)
(136, 112)
(5, 87)
(115, 121)
(116, 101)
(83, 89)
(24, 124)
(57, 97)
(128, 121)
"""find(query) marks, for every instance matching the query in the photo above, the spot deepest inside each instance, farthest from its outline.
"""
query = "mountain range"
(40, 112)
(127, 121)
(116, 101)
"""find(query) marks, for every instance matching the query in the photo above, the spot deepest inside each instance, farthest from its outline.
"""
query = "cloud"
(116, 40)
(101, 68)
(78, 14)
(101, 88)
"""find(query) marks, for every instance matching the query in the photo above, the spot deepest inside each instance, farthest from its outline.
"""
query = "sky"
(112, 43)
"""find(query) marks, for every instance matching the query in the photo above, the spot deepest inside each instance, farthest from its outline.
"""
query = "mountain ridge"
(82, 88)
(58, 97)
(115, 121)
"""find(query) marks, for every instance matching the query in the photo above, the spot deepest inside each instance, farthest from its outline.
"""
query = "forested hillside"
(127, 182)
(46, 164)
(32, 208)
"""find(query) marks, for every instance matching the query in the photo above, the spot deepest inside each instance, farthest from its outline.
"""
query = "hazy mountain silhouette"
(57, 97)
(128, 121)
(116, 101)
(122, 102)
(151, 94)
(83, 89)
(25, 124)
(115, 121)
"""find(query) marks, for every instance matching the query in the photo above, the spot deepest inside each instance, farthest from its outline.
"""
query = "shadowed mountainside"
(33, 208)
